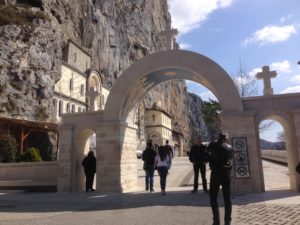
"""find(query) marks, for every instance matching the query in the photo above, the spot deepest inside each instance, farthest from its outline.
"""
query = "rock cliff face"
(116, 33)
(197, 124)
(29, 66)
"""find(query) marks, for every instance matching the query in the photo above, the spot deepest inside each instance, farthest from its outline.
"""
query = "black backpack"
(298, 168)
(220, 156)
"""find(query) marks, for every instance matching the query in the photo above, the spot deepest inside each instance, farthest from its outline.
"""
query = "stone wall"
(296, 156)
(243, 125)
(28, 174)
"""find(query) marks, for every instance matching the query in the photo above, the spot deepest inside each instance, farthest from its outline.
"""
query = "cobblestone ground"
(267, 214)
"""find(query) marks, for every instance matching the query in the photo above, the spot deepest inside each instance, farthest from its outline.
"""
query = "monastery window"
(68, 107)
(75, 57)
(79, 109)
(82, 89)
(73, 108)
(55, 105)
(86, 65)
(71, 84)
(60, 108)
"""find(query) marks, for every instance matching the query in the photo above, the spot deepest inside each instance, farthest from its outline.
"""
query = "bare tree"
(266, 125)
(280, 136)
(245, 83)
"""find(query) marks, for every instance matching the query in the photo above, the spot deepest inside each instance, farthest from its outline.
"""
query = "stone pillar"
(243, 125)
(116, 158)
(295, 155)
(65, 181)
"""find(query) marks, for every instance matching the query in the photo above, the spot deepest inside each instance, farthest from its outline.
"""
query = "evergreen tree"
(211, 111)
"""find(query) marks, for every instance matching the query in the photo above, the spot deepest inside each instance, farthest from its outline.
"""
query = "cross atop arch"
(266, 75)
(169, 34)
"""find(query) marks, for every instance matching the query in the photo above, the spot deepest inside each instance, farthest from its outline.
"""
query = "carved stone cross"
(266, 75)
(92, 95)
(169, 34)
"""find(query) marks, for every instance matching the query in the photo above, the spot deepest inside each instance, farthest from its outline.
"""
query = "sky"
(255, 32)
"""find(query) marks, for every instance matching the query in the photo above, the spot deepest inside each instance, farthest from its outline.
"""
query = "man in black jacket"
(220, 161)
(149, 158)
(198, 157)
(89, 165)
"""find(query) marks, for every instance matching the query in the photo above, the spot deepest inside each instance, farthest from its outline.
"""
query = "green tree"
(211, 111)
(31, 155)
(8, 148)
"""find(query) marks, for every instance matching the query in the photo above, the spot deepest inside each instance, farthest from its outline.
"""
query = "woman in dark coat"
(89, 165)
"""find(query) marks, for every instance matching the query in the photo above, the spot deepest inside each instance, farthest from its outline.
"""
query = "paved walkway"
(277, 206)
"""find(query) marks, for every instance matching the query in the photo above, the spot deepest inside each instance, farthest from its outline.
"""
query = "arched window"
(60, 107)
(55, 105)
(68, 108)
(71, 84)
(82, 89)
(73, 108)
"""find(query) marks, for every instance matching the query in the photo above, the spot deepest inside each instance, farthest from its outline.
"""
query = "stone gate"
(116, 132)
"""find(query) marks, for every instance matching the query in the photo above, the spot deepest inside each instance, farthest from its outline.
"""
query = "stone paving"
(277, 206)
(265, 214)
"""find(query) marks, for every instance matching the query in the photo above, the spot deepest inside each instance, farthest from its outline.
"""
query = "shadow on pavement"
(59, 202)
(56, 202)
(285, 195)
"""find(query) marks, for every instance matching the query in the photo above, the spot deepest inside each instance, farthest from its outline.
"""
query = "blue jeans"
(163, 172)
(149, 177)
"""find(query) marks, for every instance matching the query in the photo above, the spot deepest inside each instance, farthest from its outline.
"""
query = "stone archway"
(284, 108)
(116, 134)
(286, 120)
(142, 76)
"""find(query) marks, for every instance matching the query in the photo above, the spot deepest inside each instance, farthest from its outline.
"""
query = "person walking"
(89, 165)
(149, 159)
(198, 156)
(169, 151)
(220, 161)
(162, 163)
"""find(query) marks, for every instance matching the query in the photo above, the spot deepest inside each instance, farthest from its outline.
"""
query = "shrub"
(31, 155)
(8, 148)
(19, 16)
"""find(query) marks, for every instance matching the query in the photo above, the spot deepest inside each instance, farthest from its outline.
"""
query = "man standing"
(169, 149)
(89, 165)
(149, 158)
(220, 161)
(198, 157)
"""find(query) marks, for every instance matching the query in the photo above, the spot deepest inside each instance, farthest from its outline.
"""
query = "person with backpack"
(148, 157)
(198, 156)
(162, 163)
(220, 161)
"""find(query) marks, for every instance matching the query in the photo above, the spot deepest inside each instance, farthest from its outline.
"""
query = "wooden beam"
(23, 137)
(21, 140)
